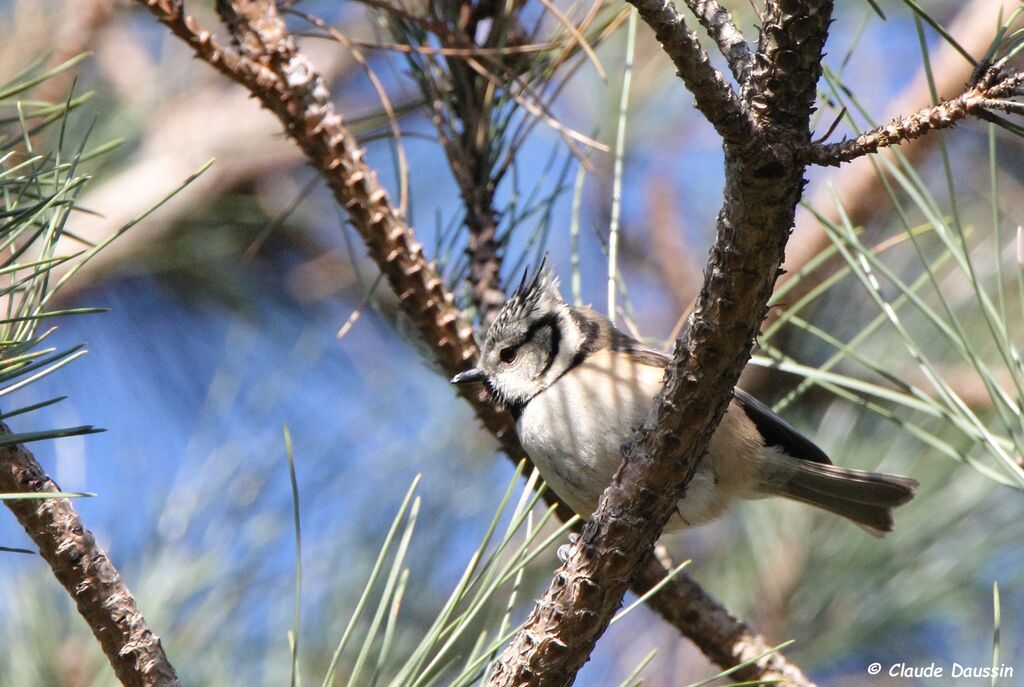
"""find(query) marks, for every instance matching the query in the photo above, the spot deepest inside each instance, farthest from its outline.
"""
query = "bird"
(578, 388)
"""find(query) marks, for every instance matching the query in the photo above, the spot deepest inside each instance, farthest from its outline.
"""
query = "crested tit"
(578, 387)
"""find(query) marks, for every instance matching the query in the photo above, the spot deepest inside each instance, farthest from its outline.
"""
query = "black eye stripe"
(546, 321)
(550, 320)
(556, 342)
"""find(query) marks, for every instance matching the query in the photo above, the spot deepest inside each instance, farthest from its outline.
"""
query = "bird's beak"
(469, 376)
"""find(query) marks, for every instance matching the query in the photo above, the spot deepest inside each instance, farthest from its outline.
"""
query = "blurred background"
(225, 308)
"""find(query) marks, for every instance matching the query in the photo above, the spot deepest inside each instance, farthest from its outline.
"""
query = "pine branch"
(858, 184)
(319, 131)
(764, 182)
(785, 73)
(724, 639)
(286, 83)
(472, 105)
(718, 22)
(714, 96)
(991, 92)
(463, 108)
(85, 571)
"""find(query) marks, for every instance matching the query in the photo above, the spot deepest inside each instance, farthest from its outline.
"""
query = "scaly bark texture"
(713, 95)
(463, 114)
(764, 181)
(86, 572)
(271, 67)
(717, 21)
(991, 91)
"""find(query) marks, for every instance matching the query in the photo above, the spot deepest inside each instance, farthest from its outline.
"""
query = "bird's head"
(525, 347)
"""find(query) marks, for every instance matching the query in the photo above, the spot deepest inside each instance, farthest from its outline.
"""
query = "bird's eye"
(508, 354)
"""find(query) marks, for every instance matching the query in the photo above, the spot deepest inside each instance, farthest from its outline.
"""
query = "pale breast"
(573, 432)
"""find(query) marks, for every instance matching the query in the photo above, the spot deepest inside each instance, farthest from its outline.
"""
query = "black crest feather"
(535, 293)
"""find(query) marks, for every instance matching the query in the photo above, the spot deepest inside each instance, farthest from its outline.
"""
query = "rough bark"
(274, 71)
(724, 639)
(766, 145)
(990, 92)
(85, 571)
(764, 182)
(718, 23)
(714, 96)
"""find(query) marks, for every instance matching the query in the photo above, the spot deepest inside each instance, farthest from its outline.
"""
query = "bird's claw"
(565, 549)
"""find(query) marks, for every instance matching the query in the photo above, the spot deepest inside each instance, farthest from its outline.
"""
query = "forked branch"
(715, 98)
(764, 182)
(288, 85)
(718, 22)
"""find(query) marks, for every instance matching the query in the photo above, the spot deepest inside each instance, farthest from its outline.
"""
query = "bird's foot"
(564, 549)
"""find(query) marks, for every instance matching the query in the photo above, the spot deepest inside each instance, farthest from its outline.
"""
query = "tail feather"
(877, 520)
(866, 498)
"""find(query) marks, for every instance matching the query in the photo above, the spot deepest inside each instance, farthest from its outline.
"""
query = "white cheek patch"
(514, 383)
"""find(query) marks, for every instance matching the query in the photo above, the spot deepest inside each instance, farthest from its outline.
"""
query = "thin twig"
(472, 101)
(475, 51)
(990, 94)
(577, 36)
